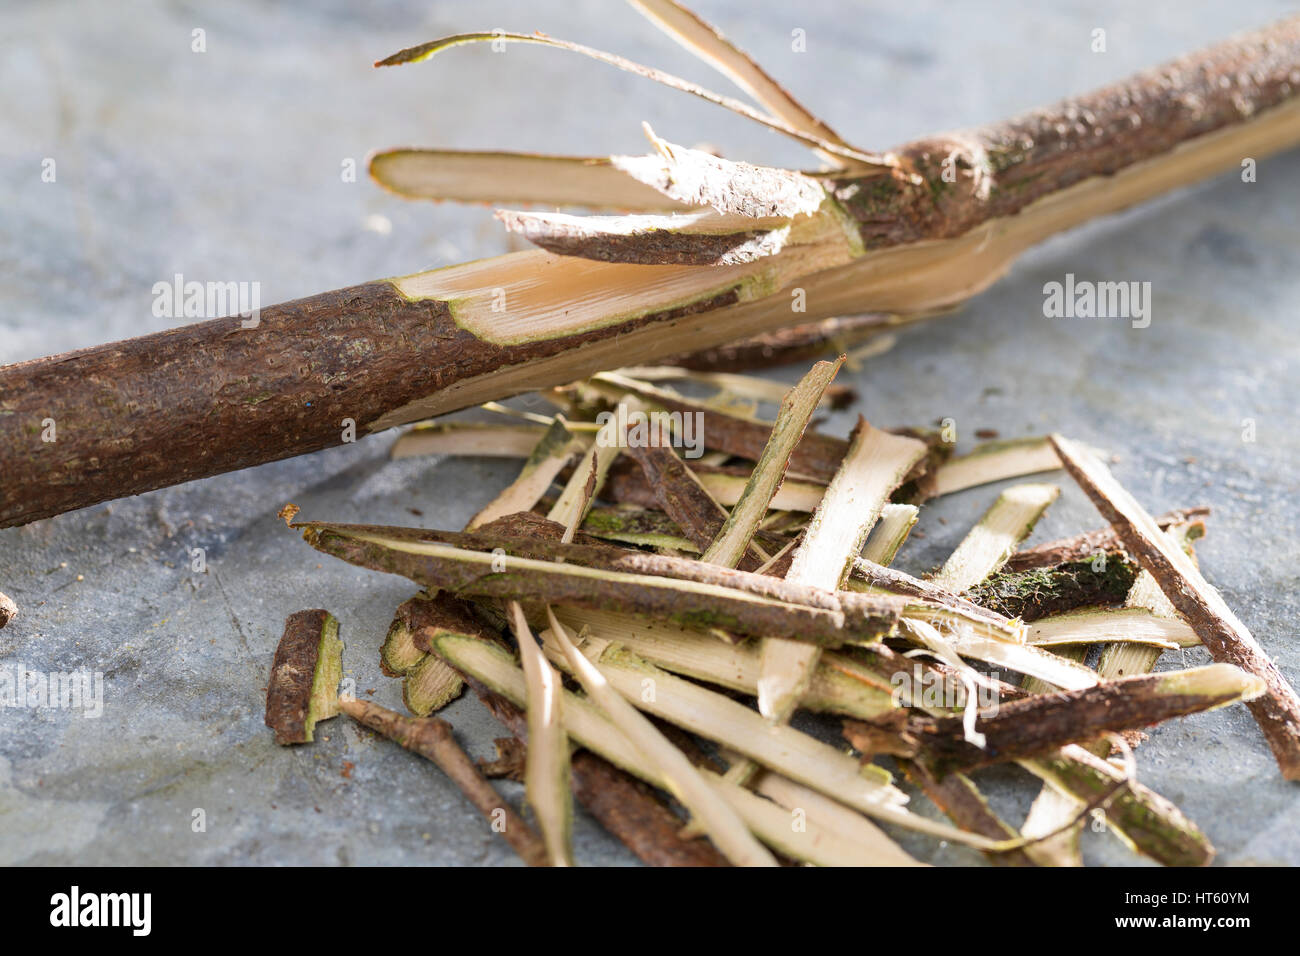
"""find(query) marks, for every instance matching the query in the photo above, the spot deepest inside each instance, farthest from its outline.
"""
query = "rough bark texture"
(745, 603)
(214, 397)
(961, 800)
(527, 535)
(1085, 546)
(442, 614)
(682, 496)
(293, 670)
(1000, 169)
(900, 582)
(1038, 724)
(1038, 592)
(816, 456)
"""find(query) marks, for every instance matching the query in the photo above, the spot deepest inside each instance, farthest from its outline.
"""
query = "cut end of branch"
(305, 675)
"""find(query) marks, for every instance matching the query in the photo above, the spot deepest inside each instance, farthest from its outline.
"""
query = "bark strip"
(600, 578)
(1224, 636)
(958, 797)
(682, 496)
(1044, 722)
(1103, 579)
(1142, 818)
(1088, 545)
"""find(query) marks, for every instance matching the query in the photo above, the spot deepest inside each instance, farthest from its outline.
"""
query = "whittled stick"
(233, 392)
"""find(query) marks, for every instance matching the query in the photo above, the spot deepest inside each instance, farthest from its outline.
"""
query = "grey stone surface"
(226, 165)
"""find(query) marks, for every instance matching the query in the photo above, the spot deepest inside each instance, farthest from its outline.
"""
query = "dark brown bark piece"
(293, 672)
(962, 802)
(214, 397)
(1037, 724)
(682, 496)
(509, 761)
(1038, 592)
(1082, 546)
(442, 614)
(802, 612)
(816, 456)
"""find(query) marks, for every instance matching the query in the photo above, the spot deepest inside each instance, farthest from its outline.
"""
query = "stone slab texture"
(230, 164)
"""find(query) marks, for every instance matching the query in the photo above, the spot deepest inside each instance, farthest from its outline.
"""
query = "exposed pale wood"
(718, 819)
(876, 463)
(220, 396)
(991, 542)
(506, 177)
(546, 766)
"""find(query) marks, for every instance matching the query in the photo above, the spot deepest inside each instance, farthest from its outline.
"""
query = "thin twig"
(431, 738)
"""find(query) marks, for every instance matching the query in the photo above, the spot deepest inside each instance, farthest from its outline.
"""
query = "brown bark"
(623, 525)
(1038, 592)
(509, 761)
(441, 614)
(799, 343)
(1002, 168)
(1224, 636)
(807, 613)
(1035, 725)
(816, 456)
(682, 496)
(961, 800)
(432, 738)
(293, 670)
(1084, 546)
(214, 397)
(900, 582)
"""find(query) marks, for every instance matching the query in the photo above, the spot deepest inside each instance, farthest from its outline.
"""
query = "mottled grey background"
(226, 165)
